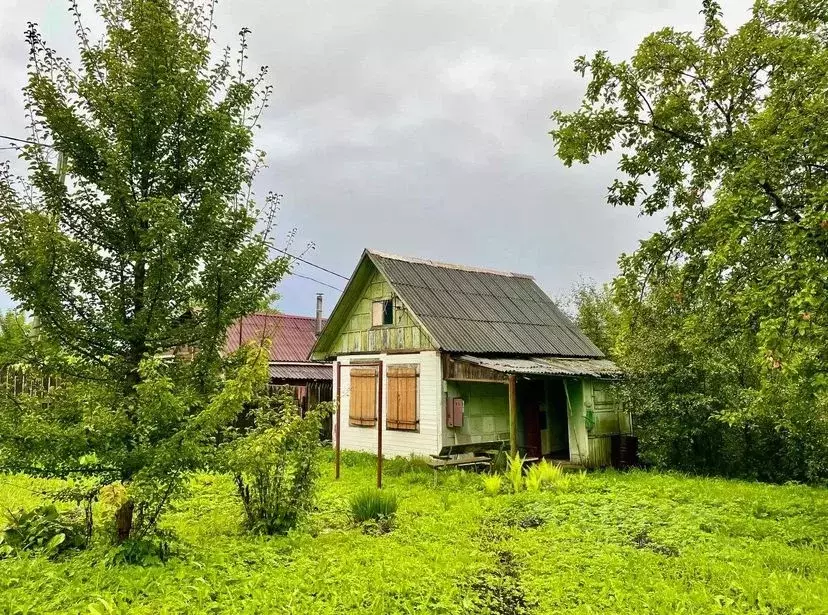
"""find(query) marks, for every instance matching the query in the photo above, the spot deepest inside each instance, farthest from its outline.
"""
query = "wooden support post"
(338, 431)
(379, 429)
(513, 447)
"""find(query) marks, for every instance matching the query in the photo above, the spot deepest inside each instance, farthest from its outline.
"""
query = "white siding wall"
(427, 440)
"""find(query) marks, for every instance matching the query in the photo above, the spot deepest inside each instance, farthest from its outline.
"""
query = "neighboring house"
(291, 339)
(457, 355)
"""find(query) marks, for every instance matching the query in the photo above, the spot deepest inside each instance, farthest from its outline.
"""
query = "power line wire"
(307, 262)
(26, 141)
(307, 277)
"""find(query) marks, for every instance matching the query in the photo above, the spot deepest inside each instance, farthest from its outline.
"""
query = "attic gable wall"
(355, 333)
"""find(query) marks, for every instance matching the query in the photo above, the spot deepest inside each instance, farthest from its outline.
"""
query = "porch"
(560, 409)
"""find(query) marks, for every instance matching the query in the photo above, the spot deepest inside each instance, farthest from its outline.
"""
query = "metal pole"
(338, 414)
(513, 448)
(379, 430)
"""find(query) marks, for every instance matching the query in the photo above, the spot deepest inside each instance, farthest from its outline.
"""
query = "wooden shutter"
(362, 408)
(402, 397)
(376, 313)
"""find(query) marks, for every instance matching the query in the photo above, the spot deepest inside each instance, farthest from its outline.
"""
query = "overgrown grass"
(608, 542)
(373, 504)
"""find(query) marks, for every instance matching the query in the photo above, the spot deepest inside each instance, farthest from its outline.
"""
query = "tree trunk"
(123, 520)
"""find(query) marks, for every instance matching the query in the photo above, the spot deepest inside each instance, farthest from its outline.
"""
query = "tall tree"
(725, 135)
(146, 240)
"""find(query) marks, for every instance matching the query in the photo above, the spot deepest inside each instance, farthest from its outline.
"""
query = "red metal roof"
(292, 337)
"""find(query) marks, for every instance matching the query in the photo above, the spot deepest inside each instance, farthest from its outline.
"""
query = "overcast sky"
(419, 127)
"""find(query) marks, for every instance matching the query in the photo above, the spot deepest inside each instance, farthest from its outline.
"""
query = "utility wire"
(26, 141)
(307, 277)
(307, 262)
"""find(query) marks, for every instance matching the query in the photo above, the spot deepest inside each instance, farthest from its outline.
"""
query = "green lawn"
(612, 543)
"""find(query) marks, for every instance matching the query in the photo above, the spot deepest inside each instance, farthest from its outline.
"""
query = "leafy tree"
(596, 314)
(724, 134)
(145, 239)
(14, 338)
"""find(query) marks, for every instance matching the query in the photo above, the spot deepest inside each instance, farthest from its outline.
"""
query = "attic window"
(383, 313)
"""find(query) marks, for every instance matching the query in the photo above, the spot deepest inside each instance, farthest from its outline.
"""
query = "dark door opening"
(531, 398)
(558, 430)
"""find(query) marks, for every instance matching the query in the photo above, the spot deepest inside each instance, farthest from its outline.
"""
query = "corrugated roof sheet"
(480, 311)
(547, 366)
(301, 371)
(292, 337)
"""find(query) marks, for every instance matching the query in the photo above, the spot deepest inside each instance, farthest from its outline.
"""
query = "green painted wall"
(486, 412)
(609, 417)
(357, 335)
(578, 394)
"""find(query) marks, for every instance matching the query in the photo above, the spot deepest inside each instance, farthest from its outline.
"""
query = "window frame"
(387, 309)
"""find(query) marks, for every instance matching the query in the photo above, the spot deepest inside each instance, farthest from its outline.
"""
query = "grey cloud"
(420, 127)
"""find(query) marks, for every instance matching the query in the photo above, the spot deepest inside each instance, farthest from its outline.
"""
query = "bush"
(275, 465)
(374, 506)
(42, 529)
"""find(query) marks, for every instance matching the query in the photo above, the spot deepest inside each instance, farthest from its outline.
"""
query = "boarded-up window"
(362, 408)
(402, 397)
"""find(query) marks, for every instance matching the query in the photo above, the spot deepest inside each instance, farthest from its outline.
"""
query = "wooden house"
(435, 356)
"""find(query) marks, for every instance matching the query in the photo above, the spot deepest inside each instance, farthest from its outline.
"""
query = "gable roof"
(477, 311)
(292, 337)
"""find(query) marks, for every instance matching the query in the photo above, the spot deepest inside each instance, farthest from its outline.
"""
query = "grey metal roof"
(548, 366)
(480, 311)
(300, 371)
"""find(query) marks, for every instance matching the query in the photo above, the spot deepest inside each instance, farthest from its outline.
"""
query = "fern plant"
(492, 484)
(514, 472)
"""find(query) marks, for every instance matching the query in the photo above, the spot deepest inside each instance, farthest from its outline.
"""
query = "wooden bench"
(476, 455)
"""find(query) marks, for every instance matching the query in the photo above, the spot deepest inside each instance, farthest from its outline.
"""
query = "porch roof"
(300, 371)
(547, 366)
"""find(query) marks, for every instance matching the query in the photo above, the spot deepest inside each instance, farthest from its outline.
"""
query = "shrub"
(42, 529)
(275, 465)
(492, 484)
(374, 506)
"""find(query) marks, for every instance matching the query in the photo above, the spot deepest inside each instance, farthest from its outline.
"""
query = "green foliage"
(632, 542)
(545, 474)
(492, 484)
(514, 472)
(374, 506)
(14, 338)
(147, 240)
(596, 314)
(721, 320)
(42, 529)
(540, 476)
(275, 465)
(413, 464)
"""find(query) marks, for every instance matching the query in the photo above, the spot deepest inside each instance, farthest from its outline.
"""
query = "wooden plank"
(513, 447)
